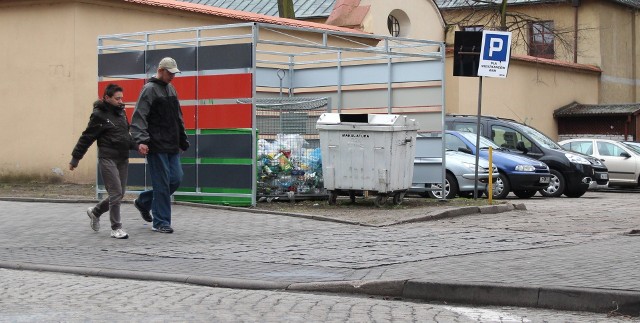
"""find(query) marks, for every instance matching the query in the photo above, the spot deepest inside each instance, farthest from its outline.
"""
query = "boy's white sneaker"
(95, 221)
(119, 234)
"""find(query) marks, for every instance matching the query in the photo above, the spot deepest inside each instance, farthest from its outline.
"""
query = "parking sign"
(495, 53)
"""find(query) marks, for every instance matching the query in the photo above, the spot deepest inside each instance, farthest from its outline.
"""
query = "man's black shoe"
(163, 229)
(146, 215)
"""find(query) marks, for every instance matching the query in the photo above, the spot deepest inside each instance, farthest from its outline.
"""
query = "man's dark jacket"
(109, 126)
(157, 120)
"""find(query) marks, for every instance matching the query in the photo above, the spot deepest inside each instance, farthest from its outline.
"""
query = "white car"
(622, 159)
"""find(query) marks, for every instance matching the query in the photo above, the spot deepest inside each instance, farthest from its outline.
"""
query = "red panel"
(228, 86)
(189, 116)
(129, 111)
(186, 87)
(131, 88)
(224, 116)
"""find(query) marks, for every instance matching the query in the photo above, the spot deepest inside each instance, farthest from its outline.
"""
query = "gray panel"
(185, 57)
(417, 71)
(225, 176)
(129, 63)
(225, 57)
(429, 147)
(369, 74)
(268, 77)
(225, 146)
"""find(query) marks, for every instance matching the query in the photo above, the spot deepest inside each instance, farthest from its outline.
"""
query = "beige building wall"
(51, 82)
(52, 78)
(607, 37)
(529, 94)
(418, 18)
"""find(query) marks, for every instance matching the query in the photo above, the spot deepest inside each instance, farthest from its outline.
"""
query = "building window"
(394, 26)
(473, 28)
(541, 37)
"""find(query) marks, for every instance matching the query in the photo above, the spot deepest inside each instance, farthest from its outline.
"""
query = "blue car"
(521, 175)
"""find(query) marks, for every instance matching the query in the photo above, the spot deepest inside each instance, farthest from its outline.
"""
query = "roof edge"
(241, 15)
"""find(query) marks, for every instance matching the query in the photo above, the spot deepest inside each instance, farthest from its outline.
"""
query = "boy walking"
(109, 126)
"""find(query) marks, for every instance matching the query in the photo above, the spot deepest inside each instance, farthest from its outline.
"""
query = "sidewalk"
(559, 253)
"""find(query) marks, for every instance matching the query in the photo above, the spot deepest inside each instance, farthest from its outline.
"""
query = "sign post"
(494, 52)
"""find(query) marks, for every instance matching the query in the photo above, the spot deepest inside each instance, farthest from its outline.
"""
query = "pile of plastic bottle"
(289, 164)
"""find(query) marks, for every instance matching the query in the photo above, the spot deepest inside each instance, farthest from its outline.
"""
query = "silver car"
(459, 177)
(622, 159)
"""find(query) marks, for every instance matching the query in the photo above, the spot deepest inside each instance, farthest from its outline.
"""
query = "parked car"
(519, 174)
(459, 176)
(571, 172)
(622, 159)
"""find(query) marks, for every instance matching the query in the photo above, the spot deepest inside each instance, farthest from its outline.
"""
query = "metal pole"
(475, 184)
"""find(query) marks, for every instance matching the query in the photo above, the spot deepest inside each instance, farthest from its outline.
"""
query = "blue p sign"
(496, 46)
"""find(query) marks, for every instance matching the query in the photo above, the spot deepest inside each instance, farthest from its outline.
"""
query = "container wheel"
(380, 200)
(333, 197)
(352, 196)
(398, 197)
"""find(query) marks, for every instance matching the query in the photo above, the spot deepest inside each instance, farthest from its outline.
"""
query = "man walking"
(158, 128)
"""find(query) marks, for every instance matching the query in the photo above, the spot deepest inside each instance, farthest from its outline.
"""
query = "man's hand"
(143, 149)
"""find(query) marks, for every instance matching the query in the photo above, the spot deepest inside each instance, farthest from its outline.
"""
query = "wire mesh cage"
(289, 159)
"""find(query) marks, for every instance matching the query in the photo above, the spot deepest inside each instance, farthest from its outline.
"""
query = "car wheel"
(556, 185)
(450, 188)
(525, 194)
(501, 187)
(572, 193)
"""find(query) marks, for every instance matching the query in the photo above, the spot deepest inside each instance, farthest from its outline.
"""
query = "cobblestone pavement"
(29, 296)
(558, 242)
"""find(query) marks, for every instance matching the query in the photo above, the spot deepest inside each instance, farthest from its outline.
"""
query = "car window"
(508, 138)
(484, 141)
(466, 127)
(635, 147)
(453, 143)
(584, 147)
(609, 149)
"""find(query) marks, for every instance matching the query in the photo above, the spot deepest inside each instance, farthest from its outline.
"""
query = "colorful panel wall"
(218, 166)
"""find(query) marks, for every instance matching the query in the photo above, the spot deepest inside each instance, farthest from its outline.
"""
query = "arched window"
(393, 25)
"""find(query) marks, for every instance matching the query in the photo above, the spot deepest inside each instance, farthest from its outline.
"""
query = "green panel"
(221, 200)
(225, 190)
(234, 131)
(190, 131)
(188, 160)
(226, 161)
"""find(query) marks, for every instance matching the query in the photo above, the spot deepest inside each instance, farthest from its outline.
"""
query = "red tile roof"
(240, 15)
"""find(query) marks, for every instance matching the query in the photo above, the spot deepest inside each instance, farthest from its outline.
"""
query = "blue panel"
(225, 176)
(229, 56)
(185, 57)
(129, 63)
(225, 146)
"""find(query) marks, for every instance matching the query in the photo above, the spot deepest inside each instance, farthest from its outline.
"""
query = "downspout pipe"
(575, 4)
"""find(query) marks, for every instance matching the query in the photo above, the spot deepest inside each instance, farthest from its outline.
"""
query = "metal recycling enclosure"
(229, 69)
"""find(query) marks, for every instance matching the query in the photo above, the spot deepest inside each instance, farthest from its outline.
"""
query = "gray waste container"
(367, 152)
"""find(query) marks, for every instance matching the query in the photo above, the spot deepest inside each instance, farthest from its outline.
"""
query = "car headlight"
(577, 159)
(473, 167)
(596, 162)
(525, 168)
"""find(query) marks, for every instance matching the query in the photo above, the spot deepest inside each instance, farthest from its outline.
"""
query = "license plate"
(545, 179)
(604, 176)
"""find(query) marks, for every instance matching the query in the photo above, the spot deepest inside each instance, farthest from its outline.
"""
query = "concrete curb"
(436, 215)
(137, 275)
(563, 298)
